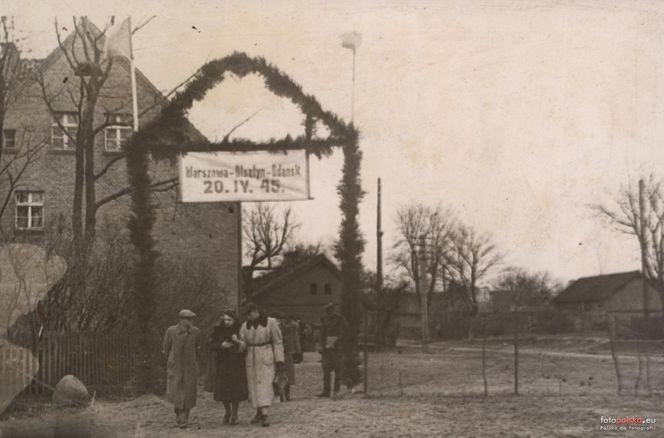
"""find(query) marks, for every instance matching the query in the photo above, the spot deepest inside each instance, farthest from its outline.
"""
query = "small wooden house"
(300, 288)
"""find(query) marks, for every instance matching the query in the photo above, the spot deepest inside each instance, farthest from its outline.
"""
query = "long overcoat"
(264, 348)
(229, 383)
(181, 346)
(291, 340)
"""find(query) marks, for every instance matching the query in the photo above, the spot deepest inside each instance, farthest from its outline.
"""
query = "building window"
(29, 210)
(9, 139)
(64, 122)
(116, 134)
(313, 289)
(328, 289)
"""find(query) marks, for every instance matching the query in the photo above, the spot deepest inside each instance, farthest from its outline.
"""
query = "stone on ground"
(70, 390)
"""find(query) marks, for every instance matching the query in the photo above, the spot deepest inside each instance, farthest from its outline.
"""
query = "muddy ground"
(562, 393)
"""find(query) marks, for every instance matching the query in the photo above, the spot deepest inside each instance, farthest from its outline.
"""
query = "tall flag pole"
(118, 43)
(134, 94)
(352, 41)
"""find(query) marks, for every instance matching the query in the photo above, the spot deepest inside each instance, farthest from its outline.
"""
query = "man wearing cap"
(333, 331)
(181, 344)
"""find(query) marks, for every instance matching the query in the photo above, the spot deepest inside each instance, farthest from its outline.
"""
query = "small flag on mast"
(351, 40)
(118, 43)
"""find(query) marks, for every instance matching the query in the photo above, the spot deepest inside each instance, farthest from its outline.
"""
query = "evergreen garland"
(165, 137)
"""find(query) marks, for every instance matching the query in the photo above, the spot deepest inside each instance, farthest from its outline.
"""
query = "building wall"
(630, 299)
(295, 297)
(207, 233)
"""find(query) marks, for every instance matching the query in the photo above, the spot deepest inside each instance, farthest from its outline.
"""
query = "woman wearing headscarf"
(260, 337)
(230, 379)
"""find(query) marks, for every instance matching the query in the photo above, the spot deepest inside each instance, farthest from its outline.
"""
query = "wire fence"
(617, 360)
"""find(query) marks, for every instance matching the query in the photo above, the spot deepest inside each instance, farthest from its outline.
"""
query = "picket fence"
(99, 361)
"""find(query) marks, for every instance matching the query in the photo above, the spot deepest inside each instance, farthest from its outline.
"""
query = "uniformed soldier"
(333, 331)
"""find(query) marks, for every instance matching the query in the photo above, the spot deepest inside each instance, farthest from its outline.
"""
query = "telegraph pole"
(642, 242)
(424, 305)
(379, 245)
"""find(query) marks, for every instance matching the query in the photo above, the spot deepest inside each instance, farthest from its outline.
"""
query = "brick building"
(206, 233)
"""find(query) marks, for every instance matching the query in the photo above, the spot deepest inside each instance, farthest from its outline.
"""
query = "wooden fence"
(97, 360)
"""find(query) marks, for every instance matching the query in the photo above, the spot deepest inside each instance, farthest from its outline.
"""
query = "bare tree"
(437, 224)
(267, 231)
(472, 259)
(86, 91)
(639, 212)
(521, 288)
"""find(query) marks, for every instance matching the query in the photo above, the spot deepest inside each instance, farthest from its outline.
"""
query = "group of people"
(252, 360)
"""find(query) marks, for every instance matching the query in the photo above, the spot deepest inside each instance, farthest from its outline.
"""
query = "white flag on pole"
(351, 40)
(118, 43)
(118, 40)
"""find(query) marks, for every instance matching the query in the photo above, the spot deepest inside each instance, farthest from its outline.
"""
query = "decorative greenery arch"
(164, 138)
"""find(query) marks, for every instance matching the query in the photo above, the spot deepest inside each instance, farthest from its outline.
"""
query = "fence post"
(516, 351)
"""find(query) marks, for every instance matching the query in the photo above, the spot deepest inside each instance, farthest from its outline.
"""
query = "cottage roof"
(597, 288)
(283, 275)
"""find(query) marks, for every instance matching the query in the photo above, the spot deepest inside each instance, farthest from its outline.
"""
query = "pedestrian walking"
(229, 383)
(181, 343)
(291, 342)
(261, 338)
(299, 338)
(332, 336)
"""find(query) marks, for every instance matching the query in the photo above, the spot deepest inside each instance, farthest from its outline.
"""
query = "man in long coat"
(181, 344)
(332, 336)
(261, 338)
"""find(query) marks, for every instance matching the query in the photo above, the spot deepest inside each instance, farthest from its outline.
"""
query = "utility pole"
(516, 340)
(644, 282)
(379, 244)
(379, 290)
(424, 305)
(643, 242)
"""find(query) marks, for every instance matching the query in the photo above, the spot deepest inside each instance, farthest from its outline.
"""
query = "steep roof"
(597, 288)
(44, 64)
(283, 275)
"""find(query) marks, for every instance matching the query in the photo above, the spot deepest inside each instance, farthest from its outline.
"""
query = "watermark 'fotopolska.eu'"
(627, 423)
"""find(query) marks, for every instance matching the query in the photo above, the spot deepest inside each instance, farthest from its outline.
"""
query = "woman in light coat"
(260, 337)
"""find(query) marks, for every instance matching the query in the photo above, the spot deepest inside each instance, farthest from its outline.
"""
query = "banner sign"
(244, 176)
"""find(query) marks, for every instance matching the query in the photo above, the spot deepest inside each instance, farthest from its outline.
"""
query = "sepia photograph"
(305, 218)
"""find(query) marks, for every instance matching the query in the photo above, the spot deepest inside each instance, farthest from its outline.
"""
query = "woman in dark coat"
(230, 379)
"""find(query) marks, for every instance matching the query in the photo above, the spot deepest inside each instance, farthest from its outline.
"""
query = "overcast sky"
(516, 115)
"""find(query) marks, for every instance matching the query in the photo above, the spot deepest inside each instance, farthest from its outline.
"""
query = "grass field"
(563, 392)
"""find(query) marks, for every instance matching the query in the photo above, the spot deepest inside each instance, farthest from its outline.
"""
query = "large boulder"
(70, 390)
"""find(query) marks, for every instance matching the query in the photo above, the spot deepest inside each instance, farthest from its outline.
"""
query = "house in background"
(619, 295)
(300, 288)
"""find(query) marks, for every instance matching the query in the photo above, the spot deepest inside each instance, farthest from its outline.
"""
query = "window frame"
(4, 139)
(30, 204)
(118, 140)
(62, 117)
(313, 288)
(327, 289)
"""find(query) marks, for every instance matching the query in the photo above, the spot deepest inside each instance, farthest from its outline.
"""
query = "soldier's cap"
(186, 313)
(329, 306)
